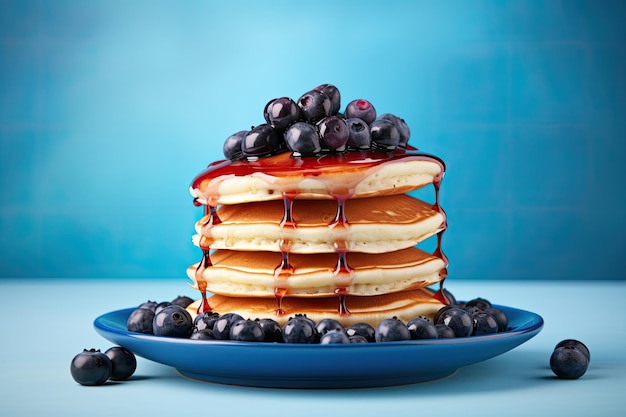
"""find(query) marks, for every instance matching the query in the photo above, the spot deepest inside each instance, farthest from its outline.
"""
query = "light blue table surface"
(47, 322)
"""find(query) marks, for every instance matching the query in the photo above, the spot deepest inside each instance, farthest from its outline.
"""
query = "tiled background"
(109, 108)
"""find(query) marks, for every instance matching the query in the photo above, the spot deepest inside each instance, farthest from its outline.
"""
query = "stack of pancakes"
(327, 237)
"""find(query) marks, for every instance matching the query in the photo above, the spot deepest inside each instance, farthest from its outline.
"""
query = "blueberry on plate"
(444, 331)
(204, 334)
(568, 362)
(362, 329)
(172, 321)
(183, 301)
(272, 330)
(358, 339)
(458, 320)
(500, 316)
(205, 321)
(326, 325)
(484, 324)
(422, 328)
(392, 330)
(332, 337)
(299, 329)
(480, 303)
(150, 305)
(140, 320)
(91, 367)
(123, 363)
(246, 331)
(221, 327)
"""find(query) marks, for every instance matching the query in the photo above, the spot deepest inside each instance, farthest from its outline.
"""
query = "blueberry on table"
(392, 330)
(221, 327)
(123, 363)
(246, 331)
(91, 367)
(140, 320)
(299, 329)
(568, 362)
(359, 136)
(576, 344)
(361, 109)
(172, 321)
(422, 328)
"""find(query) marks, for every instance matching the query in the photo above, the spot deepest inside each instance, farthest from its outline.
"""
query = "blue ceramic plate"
(319, 366)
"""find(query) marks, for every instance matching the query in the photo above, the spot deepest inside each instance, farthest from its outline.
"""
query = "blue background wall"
(109, 109)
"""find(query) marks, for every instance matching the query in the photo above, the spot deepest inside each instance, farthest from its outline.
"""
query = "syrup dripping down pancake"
(372, 310)
(374, 225)
(258, 274)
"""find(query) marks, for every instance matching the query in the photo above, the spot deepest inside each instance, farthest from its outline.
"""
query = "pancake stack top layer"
(331, 234)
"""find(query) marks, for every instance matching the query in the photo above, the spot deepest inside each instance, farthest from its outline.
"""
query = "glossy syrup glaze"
(340, 174)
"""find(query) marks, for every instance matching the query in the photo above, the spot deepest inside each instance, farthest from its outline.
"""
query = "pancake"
(258, 274)
(353, 175)
(372, 310)
(374, 225)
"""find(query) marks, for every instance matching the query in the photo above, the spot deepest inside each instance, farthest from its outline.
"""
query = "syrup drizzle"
(279, 170)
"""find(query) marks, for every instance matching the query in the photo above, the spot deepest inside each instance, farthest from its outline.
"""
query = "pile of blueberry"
(313, 125)
(171, 319)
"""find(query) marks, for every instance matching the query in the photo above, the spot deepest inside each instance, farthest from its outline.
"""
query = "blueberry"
(569, 362)
(204, 334)
(391, 330)
(299, 329)
(123, 363)
(362, 329)
(480, 303)
(140, 320)
(576, 344)
(161, 305)
(221, 327)
(172, 321)
(303, 138)
(232, 145)
(205, 321)
(333, 132)
(334, 337)
(326, 325)
(91, 367)
(500, 316)
(358, 339)
(261, 140)
(359, 136)
(333, 94)
(272, 330)
(361, 109)
(449, 296)
(246, 331)
(314, 106)
(150, 305)
(183, 301)
(441, 311)
(281, 112)
(484, 324)
(385, 135)
(403, 128)
(421, 328)
(444, 331)
(458, 320)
